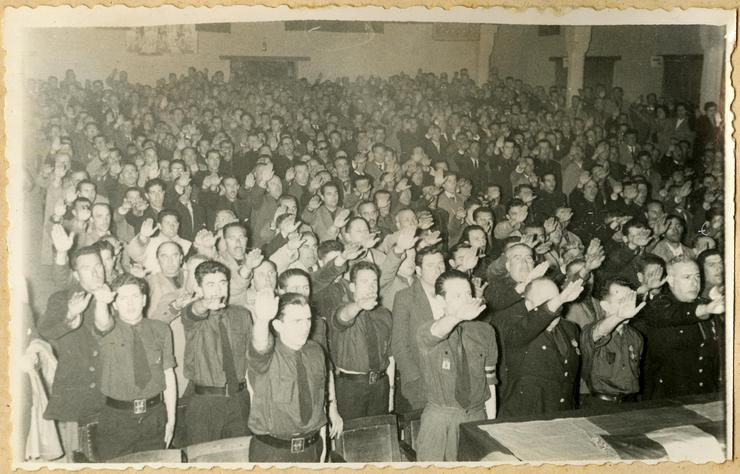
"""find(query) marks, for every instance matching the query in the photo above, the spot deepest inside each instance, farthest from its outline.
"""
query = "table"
(689, 428)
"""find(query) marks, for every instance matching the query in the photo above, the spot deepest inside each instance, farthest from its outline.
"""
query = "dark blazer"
(411, 309)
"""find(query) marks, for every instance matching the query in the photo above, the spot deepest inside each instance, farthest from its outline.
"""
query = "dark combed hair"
(428, 251)
(362, 265)
(208, 267)
(328, 246)
(439, 285)
(81, 252)
(128, 279)
(289, 299)
(602, 290)
(288, 274)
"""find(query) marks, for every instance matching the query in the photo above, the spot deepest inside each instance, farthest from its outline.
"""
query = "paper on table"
(688, 443)
(559, 440)
(714, 411)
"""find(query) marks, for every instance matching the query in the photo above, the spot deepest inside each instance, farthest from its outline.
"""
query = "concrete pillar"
(485, 52)
(713, 43)
(577, 40)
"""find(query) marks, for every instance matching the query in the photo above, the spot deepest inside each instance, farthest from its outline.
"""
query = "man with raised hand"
(458, 366)
(288, 375)
(136, 375)
(216, 338)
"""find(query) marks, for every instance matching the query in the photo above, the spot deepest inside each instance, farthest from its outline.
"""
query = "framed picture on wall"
(158, 40)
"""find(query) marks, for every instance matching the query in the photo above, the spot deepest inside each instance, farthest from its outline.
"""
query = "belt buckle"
(297, 445)
(139, 407)
(374, 375)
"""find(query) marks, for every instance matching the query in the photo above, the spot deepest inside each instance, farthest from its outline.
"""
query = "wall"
(94, 52)
(520, 52)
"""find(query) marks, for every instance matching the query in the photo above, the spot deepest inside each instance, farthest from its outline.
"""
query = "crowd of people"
(276, 257)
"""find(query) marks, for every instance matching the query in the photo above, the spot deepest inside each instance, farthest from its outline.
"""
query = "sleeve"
(401, 337)
(260, 362)
(338, 325)
(273, 245)
(425, 338)
(168, 353)
(521, 330)
(325, 276)
(661, 312)
(61, 275)
(388, 269)
(190, 318)
(52, 324)
(491, 360)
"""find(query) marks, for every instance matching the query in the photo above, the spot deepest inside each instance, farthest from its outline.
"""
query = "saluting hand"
(470, 309)
(60, 239)
(265, 305)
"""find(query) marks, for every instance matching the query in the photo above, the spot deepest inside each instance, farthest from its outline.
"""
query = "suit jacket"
(682, 131)
(411, 309)
(434, 153)
(374, 170)
(477, 175)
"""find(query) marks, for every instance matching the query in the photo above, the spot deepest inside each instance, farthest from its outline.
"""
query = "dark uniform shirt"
(203, 349)
(275, 406)
(349, 340)
(611, 365)
(438, 363)
(75, 395)
(117, 363)
(682, 352)
(541, 365)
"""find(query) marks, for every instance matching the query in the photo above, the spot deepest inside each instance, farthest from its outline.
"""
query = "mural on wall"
(456, 32)
(159, 40)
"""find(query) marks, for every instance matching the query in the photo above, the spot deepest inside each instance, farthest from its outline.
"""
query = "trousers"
(439, 431)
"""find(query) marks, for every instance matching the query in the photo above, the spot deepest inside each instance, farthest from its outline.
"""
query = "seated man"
(458, 364)
(136, 373)
(288, 375)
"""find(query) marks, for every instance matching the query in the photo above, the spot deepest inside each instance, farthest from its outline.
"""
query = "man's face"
(684, 281)
(450, 184)
(101, 218)
(87, 190)
(370, 213)
(231, 188)
(301, 175)
(213, 161)
(82, 211)
(169, 258)
(331, 197)
(477, 240)
(155, 196)
(236, 242)
(549, 183)
(130, 303)
(358, 232)
(519, 262)
(265, 276)
(654, 212)
(518, 214)
(90, 272)
(457, 293)
(638, 236)
(365, 285)
(432, 266)
(485, 220)
(714, 271)
(308, 252)
(169, 226)
(465, 259)
(298, 284)
(294, 326)
(342, 169)
(215, 287)
(675, 230)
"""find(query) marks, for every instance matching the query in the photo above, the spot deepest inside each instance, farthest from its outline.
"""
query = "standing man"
(412, 307)
(288, 375)
(360, 336)
(216, 338)
(682, 347)
(136, 373)
(458, 364)
(542, 352)
(612, 348)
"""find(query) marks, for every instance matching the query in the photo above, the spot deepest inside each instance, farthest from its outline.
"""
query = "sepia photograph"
(350, 236)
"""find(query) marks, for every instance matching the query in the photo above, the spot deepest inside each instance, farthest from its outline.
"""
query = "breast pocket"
(284, 389)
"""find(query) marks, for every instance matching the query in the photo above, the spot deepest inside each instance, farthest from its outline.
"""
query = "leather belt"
(609, 398)
(296, 444)
(372, 377)
(137, 407)
(224, 391)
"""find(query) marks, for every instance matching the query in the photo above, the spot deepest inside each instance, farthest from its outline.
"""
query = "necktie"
(462, 382)
(228, 358)
(373, 355)
(304, 391)
(142, 372)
